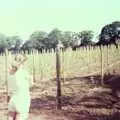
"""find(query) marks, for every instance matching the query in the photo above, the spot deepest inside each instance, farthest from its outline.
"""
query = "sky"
(23, 17)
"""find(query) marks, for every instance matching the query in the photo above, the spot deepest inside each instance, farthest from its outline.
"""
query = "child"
(18, 90)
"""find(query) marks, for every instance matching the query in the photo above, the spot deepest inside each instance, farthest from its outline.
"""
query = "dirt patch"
(80, 101)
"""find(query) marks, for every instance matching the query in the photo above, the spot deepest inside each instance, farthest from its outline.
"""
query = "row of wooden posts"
(58, 74)
(58, 97)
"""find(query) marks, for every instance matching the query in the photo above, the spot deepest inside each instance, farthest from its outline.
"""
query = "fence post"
(33, 54)
(6, 76)
(102, 70)
(89, 62)
(58, 70)
(108, 60)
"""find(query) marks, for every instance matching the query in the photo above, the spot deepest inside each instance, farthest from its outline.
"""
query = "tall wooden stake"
(102, 72)
(58, 69)
(33, 53)
(6, 77)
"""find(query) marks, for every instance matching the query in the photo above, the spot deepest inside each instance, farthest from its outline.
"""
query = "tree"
(11, 43)
(46, 42)
(28, 45)
(3, 42)
(38, 36)
(67, 38)
(36, 39)
(107, 34)
(54, 36)
(86, 37)
(15, 42)
(82, 38)
(76, 41)
(116, 30)
(110, 34)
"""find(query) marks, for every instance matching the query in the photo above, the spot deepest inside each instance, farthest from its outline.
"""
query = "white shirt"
(18, 83)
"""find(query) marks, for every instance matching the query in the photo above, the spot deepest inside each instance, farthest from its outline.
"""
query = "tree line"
(110, 33)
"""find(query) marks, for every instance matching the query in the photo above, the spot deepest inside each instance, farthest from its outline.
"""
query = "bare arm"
(23, 60)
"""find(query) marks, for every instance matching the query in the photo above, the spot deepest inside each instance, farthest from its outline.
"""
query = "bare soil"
(81, 100)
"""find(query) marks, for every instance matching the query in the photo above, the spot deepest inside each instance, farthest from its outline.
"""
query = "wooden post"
(58, 70)
(6, 77)
(102, 71)
(33, 54)
(107, 60)
(88, 52)
(63, 66)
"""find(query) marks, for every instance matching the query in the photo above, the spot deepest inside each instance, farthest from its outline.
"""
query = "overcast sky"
(23, 17)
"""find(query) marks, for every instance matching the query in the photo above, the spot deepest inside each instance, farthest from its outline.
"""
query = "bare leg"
(22, 116)
(12, 115)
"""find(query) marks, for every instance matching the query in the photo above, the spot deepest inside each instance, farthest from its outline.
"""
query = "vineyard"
(81, 71)
(84, 61)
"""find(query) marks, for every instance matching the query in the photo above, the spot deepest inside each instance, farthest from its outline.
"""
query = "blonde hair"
(18, 61)
(20, 58)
